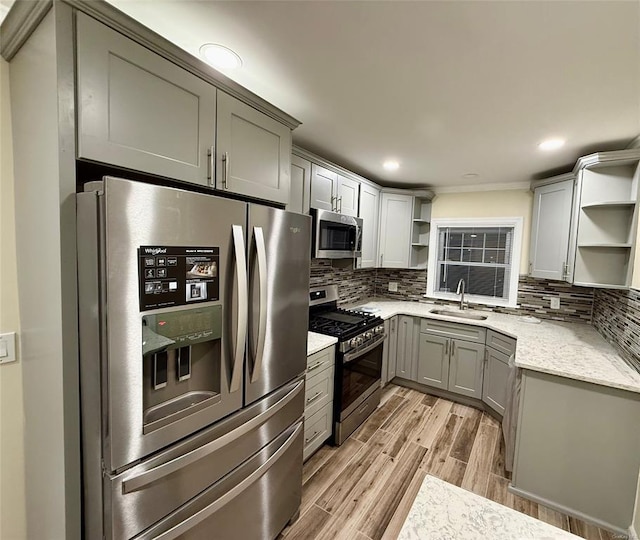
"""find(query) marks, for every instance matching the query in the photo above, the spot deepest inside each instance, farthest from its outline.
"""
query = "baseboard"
(568, 511)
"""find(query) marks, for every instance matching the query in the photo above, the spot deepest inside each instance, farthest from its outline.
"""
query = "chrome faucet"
(460, 291)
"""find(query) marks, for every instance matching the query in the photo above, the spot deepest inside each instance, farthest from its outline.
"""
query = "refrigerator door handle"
(143, 479)
(197, 518)
(261, 252)
(243, 307)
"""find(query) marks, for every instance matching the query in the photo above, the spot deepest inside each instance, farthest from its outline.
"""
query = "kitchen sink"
(459, 314)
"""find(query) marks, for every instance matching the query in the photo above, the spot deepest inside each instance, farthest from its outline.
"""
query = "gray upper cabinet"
(254, 152)
(406, 359)
(466, 368)
(300, 187)
(140, 111)
(550, 229)
(369, 203)
(396, 212)
(433, 361)
(324, 188)
(348, 196)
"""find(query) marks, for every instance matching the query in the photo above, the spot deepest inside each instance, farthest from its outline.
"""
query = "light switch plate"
(555, 302)
(8, 348)
(393, 286)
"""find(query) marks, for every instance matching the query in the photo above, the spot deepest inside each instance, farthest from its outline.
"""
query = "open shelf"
(609, 204)
(606, 245)
(602, 266)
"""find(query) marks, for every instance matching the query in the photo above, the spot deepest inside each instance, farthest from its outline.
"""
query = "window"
(485, 253)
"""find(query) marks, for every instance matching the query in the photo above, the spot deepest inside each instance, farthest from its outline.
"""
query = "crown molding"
(552, 180)
(23, 18)
(617, 157)
(470, 188)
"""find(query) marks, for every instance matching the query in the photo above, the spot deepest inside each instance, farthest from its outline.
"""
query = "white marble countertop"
(317, 342)
(573, 350)
(444, 511)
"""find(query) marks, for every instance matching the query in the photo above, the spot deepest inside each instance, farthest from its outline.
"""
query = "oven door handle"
(349, 357)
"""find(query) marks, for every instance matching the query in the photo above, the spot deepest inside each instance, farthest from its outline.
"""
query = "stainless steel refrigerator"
(193, 327)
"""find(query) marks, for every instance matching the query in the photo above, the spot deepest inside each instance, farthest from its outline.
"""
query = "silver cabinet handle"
(315, 366)
(565, 269)
(211, 155)
(225, 170)
(453, 348)
(334, 207)
(143, 479)
(380, 259)
(261, 251)
(243, 306)
(208, 511)
(313, 398)
(446, 347)
(315, 435)
(339, 201)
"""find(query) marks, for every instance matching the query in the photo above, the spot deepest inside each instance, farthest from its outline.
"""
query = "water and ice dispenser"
(182, 355)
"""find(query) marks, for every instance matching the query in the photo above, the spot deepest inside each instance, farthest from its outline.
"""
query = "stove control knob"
(368, 335)
(379, 329)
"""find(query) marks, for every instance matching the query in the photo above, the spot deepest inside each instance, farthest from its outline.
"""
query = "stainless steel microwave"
(336, 236)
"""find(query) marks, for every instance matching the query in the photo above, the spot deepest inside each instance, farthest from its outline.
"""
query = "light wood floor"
(365, 488)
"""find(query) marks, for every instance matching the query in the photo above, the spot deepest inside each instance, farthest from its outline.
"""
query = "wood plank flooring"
(363, 490)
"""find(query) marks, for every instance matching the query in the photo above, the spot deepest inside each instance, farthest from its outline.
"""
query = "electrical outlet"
(8, 348)
(555, 302)
(393, 286)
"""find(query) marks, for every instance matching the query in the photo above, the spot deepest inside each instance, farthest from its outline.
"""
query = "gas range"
(353, 329)
(358, 367)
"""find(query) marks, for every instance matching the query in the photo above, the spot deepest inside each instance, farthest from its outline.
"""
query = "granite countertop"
(443, 511)
(317, 342)
(573, 350)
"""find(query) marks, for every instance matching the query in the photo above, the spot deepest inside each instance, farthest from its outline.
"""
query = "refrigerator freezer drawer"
(154, 489)
(254, 502)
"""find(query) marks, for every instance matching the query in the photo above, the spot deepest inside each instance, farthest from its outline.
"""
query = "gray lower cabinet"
(254, 152)
(433, 361)
(318, 409)
(496, 374)
(466, 368)
(390, 348)
(450, 357)
(407, 349)
(139, 111)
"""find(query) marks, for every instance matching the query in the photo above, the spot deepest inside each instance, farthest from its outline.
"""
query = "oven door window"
(359, 375)
(337, 237)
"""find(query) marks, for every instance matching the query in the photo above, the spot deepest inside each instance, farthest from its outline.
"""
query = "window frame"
(437, 223)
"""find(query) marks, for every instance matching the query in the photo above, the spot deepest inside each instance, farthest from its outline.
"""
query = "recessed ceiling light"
(551, 144)
(470, 175)
(391, 165)
(220, 56)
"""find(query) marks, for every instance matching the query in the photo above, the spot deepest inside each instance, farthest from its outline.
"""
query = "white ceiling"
(447, 88)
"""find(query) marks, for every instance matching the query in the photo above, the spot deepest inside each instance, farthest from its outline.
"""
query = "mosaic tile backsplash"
(616, 315)
(576, 303)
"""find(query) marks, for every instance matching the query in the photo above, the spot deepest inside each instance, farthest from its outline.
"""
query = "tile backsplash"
(576, 303)
(616, 315)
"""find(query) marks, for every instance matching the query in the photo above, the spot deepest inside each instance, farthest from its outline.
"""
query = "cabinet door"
(466, 368)
(433, 360)
(392, 345)
(496, 373)
(405, 364)
(369, 202)
(300, 188)
(550, 230)
(254, 152)
(348, 196)
(139, 111)
(324, 188)
(395, 230)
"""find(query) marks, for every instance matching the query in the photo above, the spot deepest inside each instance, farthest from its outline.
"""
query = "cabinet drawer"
(318, 391)
(317, 429)
(501, 343)
(453, 330)
(320, 360)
